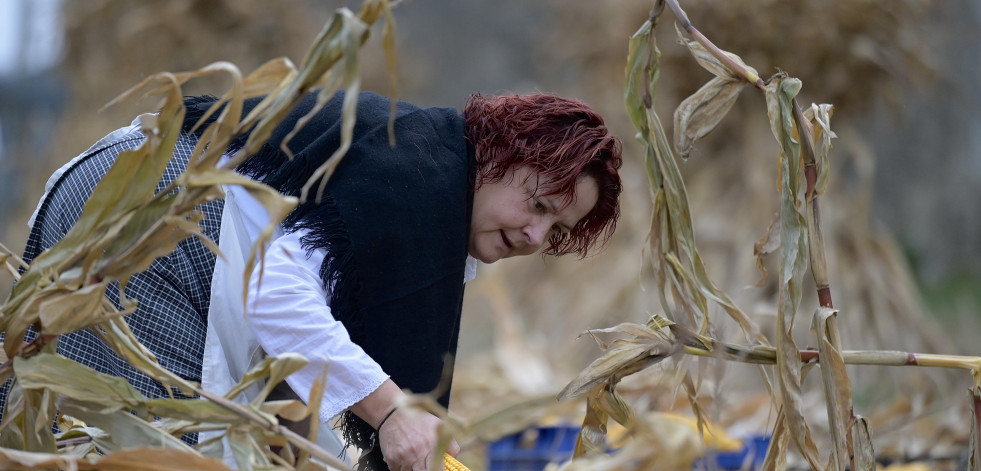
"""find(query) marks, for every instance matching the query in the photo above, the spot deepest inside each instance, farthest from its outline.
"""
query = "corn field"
(651, 368)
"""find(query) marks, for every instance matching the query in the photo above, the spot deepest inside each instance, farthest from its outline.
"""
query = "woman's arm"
(287, 310)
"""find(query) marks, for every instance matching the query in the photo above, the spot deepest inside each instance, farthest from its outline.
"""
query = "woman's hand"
(408, 441)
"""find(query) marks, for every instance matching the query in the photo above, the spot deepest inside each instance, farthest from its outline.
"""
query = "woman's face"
(511, 217)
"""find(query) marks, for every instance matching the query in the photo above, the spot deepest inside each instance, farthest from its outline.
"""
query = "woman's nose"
(537, 232)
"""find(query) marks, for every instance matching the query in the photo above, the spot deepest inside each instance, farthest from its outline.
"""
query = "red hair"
(562, 140)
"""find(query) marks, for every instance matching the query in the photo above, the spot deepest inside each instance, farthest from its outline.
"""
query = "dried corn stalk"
(684, 290)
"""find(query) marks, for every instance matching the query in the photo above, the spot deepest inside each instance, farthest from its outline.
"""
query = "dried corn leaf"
(633, 329)
(246, 450)
(12, 431)
(388, 45)
(95, 399)
(48, 371)
(12, 459)
(780, 93)
(679, 444)
(702, 112)
(765, 246)
(351, 81)
(129, 184)
(817, 118)
(862, 438)
(338, 42)
(268, 76)
(776, 453)
(837, 385)
(276, 204)
(90, 438)
(12, 262)
(711, 63)
(974, 448)
(625, 359)
(288, 409)
(816, 153)
(117, 334)
(217, 136)
(643, 66)
(706, 287)
(592, 435)
(137, 239)
(661, 442)
(632, 456)
(123, 429)
(313, 410)
(38, 415)
(20, 317)
(272, 371)
(616, 408)
(73, 310)
(192, 411)
(701, 422)
(152, 459)
(133, 178)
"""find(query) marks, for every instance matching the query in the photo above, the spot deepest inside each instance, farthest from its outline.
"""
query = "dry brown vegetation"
(687, 324)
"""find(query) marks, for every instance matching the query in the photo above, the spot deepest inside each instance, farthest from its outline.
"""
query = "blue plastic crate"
(532, 449)
(749, 458)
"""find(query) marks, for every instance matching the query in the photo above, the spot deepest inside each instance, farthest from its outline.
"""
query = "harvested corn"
(451, 464)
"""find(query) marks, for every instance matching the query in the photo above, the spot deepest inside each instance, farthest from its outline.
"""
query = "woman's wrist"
(378, 405)
(389, 414)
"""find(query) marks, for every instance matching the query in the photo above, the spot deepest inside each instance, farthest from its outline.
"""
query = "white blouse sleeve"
(288, 312)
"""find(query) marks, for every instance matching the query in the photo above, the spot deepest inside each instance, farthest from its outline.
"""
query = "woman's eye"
(539, 206)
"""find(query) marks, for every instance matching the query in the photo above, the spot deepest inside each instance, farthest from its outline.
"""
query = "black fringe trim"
(196, 106)
(194, 109)
(358, 433)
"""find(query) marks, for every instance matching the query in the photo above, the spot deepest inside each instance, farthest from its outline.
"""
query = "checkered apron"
(173, 294)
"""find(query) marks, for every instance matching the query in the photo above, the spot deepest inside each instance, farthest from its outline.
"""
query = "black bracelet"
(389, 414)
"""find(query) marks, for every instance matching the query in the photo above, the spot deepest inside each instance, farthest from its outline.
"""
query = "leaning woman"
(366, 282)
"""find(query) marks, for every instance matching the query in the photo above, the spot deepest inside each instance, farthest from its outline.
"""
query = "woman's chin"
(485, 257)
(488, 260)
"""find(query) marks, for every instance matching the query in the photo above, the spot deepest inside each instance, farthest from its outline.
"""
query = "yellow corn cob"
(451, 464)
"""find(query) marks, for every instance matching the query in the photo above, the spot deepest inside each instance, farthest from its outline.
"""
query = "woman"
(370, 278)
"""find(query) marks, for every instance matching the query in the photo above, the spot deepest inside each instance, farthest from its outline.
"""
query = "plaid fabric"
(173, 294)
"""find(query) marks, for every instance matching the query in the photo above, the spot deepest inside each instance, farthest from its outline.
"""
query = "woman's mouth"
(507, 243)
